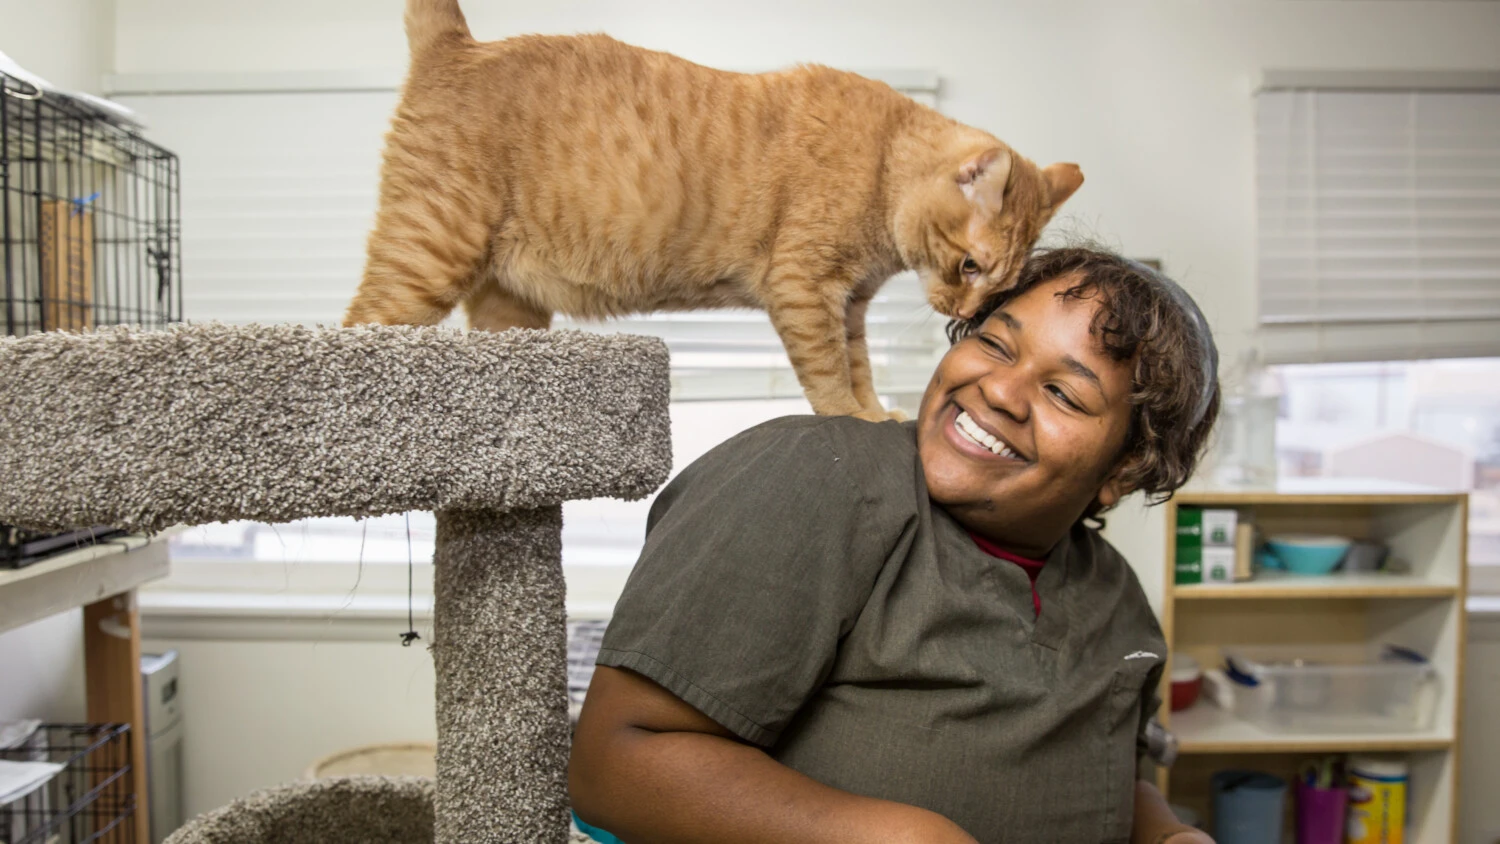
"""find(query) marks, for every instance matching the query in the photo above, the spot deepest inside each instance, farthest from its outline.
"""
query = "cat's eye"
(969, 266)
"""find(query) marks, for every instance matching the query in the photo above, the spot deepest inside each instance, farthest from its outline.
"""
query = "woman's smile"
(970, 437)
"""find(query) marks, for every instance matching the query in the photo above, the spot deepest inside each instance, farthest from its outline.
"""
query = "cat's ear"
(1062, 181)
(982, 178)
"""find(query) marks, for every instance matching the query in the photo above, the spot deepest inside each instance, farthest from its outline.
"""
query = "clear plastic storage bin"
(1334, 688)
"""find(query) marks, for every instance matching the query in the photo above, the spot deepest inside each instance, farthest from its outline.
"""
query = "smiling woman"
(1114, 355)
(1018, 435)
(909, 632)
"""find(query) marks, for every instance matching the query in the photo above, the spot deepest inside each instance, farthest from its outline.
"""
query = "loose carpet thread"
(411, 634)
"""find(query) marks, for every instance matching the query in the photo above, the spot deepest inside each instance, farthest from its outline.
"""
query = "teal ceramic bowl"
(1311, 555)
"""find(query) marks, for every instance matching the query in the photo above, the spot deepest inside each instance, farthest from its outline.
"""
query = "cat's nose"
(967, 312)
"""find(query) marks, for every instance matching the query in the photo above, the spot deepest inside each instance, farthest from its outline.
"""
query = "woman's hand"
(1189, 836)
(1155, 823)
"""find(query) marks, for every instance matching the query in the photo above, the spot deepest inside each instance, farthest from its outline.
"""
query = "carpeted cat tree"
(209, 423)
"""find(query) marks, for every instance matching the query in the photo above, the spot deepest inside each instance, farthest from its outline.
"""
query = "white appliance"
(163, 742)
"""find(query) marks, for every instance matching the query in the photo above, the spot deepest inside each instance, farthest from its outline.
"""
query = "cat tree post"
(211, 423)
(501, 679)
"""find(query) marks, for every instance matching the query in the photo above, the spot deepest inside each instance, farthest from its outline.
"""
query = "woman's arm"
(650, 768)
(1155, 823)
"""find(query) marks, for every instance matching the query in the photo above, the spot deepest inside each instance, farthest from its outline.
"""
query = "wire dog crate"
(91, 217)
(87, 800)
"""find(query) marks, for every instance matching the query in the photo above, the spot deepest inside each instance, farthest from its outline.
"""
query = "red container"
(1187, 682)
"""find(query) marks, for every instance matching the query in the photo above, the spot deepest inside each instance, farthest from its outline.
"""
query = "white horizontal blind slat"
(279, 193)
(1379, 224)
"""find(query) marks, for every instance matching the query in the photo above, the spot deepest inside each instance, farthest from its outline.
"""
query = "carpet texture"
(501, 650)
(357, 810)
(204, 423)
(368, 810)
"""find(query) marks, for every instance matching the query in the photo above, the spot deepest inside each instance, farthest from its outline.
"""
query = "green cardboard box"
(1205, 545)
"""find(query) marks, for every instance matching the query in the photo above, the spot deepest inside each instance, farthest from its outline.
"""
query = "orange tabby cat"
(583, 176)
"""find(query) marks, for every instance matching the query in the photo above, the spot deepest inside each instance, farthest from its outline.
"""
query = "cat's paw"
(881, 415)
(897, 415)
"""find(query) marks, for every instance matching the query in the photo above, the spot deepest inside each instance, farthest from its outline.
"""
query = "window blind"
(279, 192)
(1379, 224)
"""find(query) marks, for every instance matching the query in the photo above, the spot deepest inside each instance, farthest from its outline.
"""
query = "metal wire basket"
(88, 799)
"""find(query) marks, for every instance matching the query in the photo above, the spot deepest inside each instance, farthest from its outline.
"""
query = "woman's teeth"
(971, 431)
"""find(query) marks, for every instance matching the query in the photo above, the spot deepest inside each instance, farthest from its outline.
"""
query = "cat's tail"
(432, 24)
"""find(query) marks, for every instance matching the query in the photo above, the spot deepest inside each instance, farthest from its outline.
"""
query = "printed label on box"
(1218, 527)
(1218, 565)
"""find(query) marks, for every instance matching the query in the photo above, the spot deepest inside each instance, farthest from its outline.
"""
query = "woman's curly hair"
(1144, 319)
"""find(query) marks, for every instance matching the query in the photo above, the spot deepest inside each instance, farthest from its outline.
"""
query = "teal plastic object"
(1267, 560)
(595, 832)
(1308, 555)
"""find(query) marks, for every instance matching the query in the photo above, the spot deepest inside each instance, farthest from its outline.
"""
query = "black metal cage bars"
(90, 218)
(90, 798)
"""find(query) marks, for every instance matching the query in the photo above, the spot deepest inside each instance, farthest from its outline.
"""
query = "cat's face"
(981, 225)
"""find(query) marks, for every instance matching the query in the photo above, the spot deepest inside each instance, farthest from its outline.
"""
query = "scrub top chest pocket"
(1133, 684)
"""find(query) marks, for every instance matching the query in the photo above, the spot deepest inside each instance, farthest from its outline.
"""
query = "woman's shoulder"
(838, 430)
(842, 437)
(863, 463)
(816, 474)
(867, 452)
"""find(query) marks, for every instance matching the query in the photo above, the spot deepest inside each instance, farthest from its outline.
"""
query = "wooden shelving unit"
(1208, 729)
(101, 579)
(1278, 585)
(1421, 607)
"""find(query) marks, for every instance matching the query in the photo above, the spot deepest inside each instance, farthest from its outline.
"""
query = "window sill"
(247, 616)
(179, 614)
(1484, 607)
(187, 606)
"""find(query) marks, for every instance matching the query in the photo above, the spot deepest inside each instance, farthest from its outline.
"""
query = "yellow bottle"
(1377, 801)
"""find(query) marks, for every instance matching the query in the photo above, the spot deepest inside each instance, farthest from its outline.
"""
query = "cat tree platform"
(493, 432)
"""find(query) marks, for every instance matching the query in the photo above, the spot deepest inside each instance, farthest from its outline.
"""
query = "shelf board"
(1246, 498)
(1346, 585)
(1205, 728)
(81, 576)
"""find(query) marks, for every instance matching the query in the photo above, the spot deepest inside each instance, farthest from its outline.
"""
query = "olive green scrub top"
(798, 587)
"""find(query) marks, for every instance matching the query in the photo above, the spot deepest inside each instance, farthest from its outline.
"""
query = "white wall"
(257, 713)
(41, 670)
(68, 43)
